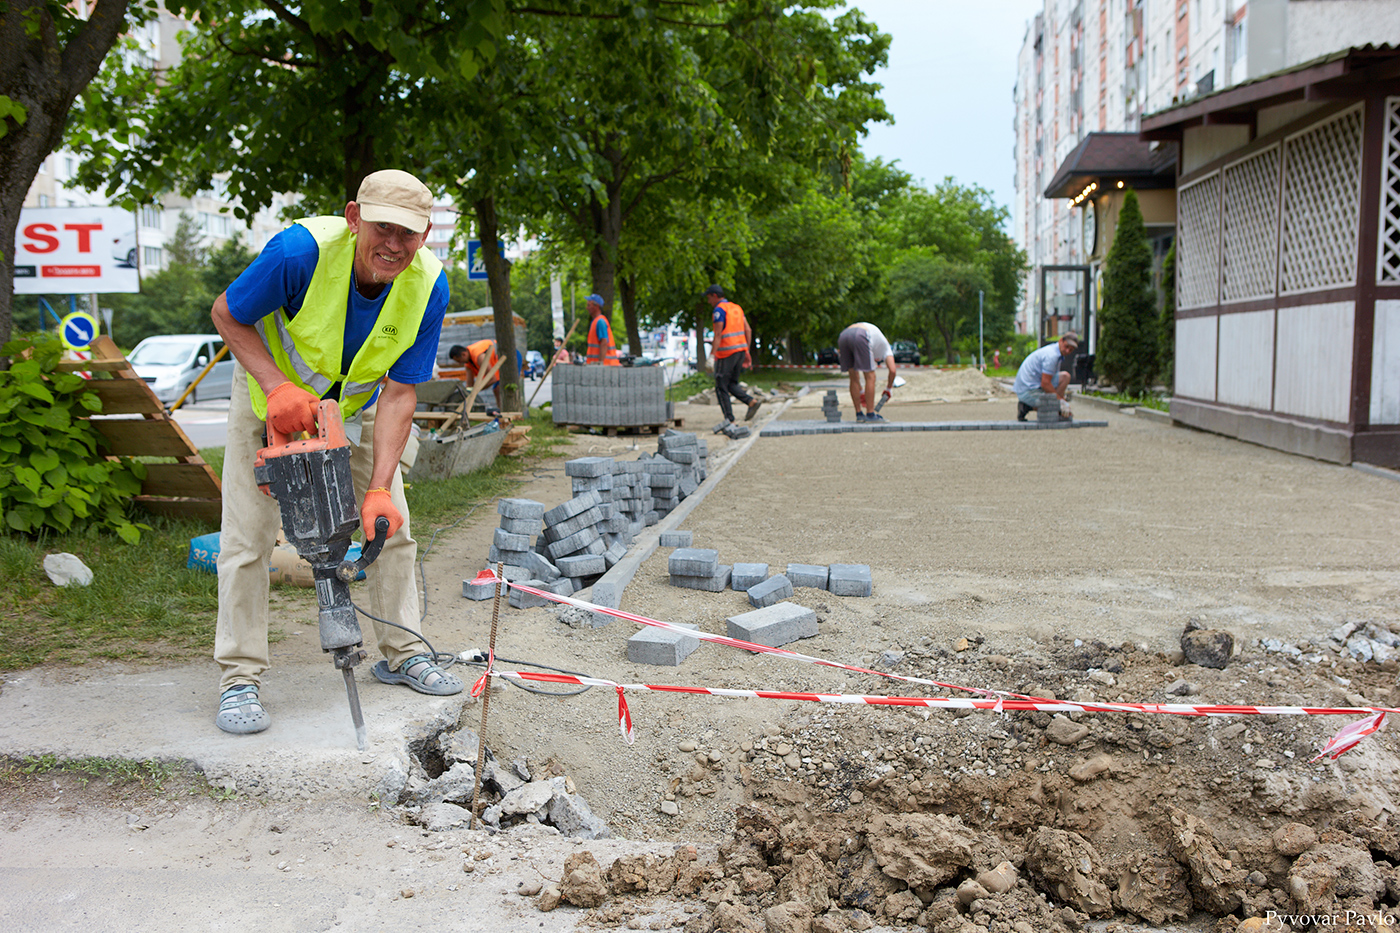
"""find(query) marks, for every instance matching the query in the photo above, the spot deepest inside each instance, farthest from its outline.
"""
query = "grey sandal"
(420, 679)
(240, 712)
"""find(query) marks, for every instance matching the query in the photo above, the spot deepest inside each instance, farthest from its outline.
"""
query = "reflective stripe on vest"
(731, 339)
(307, 348)
(605, 353)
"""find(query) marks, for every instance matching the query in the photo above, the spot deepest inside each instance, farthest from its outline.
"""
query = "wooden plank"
(434, 415)
(190, 480)
(126, 397)
(207, 509)
(91, 366)
(132, 438)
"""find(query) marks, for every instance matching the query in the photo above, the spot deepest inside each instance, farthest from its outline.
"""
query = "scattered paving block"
(501, 555)
(661, 647)
(747, 575)
(850, 580)
(693, 562)
(540, 567)
(813, 575)
(771, 591)
(575, 543)
(582, 565)
(520, 508)
(568, 526)
(523, 600)
(614, 554)
(561, 587)
(509, 542)
(588, 466)
(579, 503)
(478, 591)
(717, 583)
(520, 526)
(677, 538)
(774, 626)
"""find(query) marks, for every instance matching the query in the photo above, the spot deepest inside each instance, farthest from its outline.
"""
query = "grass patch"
(145, 604)
(120, 778)
(1155, 402)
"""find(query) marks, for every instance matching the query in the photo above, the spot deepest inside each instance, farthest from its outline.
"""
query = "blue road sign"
(77, 330)
(476, 262)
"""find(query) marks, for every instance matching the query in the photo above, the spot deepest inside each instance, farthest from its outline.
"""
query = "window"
(214, 224)
(43, 200)
(44, 167)
(69, 166)
(441, 252)
(150, 257)
(444, 218)
(150, 216)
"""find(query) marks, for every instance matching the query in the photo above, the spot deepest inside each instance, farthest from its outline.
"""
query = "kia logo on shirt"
(389, 330)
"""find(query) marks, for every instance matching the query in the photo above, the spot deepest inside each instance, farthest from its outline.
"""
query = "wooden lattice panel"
(1321, 205)
(1198, 243)
(140, 427)
(1388, 245)
(1249, 222)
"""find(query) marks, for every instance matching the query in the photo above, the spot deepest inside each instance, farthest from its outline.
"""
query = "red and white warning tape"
(997, 701)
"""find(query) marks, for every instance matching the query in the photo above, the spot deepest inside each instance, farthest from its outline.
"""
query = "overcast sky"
(949, 81)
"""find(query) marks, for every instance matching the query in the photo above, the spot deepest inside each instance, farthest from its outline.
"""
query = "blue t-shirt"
(280, 276)
(603, 330)
(1046, 360)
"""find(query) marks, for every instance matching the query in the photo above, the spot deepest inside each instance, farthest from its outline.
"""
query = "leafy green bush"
(52, 472)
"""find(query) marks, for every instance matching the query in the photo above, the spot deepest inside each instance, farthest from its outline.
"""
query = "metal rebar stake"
(486, 697)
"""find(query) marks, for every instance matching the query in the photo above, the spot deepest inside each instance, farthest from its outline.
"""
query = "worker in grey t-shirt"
(860, 348)
(1040, 377)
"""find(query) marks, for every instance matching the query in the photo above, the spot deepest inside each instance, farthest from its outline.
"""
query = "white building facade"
(1099, 66)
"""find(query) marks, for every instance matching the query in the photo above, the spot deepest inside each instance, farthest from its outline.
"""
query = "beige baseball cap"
(394, 197)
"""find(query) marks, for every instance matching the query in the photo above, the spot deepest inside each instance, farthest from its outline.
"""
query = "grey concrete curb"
(1374, 470)
(646, 543)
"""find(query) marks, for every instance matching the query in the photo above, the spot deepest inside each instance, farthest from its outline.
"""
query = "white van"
(171, 362)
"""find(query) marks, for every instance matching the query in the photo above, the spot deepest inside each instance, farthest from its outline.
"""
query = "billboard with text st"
(75, 251)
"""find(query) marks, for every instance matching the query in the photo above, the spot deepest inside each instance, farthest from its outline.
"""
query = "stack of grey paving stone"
(609, 480)
(610, 396)
(631, 499)
(520, 518)
(689, 454)
(830, 406)
(573, 537)
(698, 568)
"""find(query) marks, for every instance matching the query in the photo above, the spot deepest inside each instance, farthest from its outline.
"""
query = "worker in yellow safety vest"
(346, 308)
(601, 348)
(732, 339)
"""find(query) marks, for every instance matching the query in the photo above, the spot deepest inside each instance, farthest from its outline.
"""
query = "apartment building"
(1091, 67)
(158, 45)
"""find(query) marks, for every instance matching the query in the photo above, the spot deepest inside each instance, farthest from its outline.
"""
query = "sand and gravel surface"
(1064, 563)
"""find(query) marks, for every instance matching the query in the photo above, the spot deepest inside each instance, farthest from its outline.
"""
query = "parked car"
(906, 351)
(534, 364)
(828, 357)
(171, 362)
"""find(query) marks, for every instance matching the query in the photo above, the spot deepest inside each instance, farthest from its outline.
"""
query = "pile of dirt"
(1039, 821)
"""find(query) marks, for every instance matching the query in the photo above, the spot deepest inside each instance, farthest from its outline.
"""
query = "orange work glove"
(291, 408)
(377, 503)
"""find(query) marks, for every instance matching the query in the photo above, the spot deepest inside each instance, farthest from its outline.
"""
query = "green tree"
(1166, 338)
(48, 55)
(1127, 348)
(936, 295)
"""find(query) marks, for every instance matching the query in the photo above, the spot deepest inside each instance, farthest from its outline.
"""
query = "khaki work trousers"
(248, 533)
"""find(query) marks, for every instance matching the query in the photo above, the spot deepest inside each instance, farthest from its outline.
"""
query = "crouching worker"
(330, 307)
(1040, 379)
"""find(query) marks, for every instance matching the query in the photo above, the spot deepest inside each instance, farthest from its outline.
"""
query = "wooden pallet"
(186, 488)
(613, 430)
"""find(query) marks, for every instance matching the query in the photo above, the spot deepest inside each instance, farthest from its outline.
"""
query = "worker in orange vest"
(480, 357)
(730, 349)
(601, 348)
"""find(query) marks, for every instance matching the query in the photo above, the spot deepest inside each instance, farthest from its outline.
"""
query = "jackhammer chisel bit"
(310, 479)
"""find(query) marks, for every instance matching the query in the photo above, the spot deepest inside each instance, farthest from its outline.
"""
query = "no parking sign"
(77, 330)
